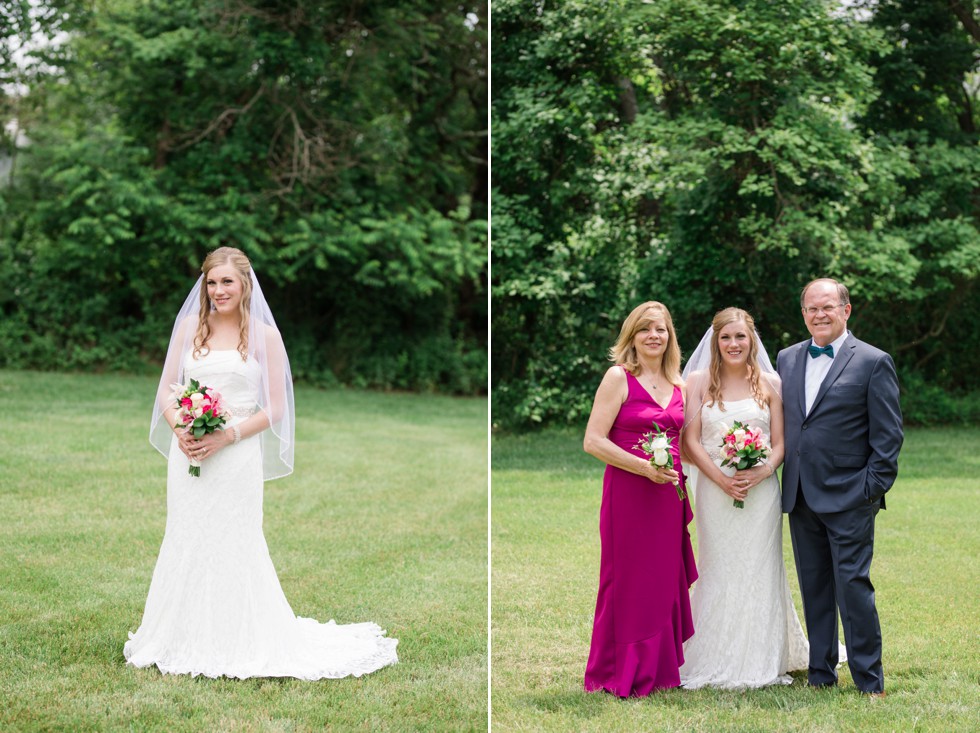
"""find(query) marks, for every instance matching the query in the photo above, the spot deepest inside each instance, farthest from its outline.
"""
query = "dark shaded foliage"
(342, 146)
(709, 154)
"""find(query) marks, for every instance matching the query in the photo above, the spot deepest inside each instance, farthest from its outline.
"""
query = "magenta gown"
(643, 611)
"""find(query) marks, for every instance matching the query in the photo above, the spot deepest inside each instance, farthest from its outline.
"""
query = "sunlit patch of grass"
(384, 519)
(545, 557)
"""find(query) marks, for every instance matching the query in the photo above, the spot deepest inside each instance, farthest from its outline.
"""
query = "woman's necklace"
(653, 386)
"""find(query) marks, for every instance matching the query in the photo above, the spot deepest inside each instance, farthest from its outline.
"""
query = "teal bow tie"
(816, 351)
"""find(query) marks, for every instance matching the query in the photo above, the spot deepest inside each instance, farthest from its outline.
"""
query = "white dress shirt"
(817, 368)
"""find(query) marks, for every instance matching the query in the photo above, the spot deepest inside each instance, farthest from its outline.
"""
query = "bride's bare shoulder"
(772, 384)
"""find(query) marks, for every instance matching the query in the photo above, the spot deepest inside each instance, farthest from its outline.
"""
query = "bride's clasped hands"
(198, 449)
(739, 485)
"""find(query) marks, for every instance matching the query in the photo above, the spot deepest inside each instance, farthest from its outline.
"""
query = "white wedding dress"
(746, 631)
(215, 606)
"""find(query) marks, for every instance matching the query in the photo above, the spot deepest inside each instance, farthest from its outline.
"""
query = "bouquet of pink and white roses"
(656, 444)
(743, 447)
(200, 412)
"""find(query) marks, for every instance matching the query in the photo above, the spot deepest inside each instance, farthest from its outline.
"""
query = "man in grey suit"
(843, 432)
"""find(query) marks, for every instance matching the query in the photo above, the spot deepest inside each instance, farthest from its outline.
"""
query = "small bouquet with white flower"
(200, 412)
(656, 444)
(743, 447)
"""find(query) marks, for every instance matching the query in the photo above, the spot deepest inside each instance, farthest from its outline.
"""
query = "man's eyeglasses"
(825, 310)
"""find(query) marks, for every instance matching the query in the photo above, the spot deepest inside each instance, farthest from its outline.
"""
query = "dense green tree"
(342, 145)
(927, 110)
(704, 154)
(563, 263)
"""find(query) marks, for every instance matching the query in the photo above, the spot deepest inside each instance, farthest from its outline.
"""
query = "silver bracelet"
(238, 434)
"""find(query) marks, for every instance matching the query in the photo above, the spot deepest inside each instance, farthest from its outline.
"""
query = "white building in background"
(8, 160)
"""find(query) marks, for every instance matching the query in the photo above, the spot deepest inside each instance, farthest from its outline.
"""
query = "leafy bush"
(342, 149)
(714, 154)
(928, 404)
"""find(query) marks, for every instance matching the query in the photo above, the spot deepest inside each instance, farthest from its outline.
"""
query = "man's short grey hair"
(843, 296)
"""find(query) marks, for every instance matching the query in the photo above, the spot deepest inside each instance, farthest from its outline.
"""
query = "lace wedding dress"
(746, 631)
(215, 606)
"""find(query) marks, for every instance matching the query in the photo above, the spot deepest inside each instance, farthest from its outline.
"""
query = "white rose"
(660, 443)
(660, 458)
(196, 398)
(198, 412)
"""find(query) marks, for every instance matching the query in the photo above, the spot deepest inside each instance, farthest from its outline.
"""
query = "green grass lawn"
(545, 558)
(384, 519)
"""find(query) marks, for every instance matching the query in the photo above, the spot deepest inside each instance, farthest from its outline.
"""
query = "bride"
(747, 633)
(215, 606)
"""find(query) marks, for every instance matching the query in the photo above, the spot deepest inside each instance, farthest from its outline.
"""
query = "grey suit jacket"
(845, 452)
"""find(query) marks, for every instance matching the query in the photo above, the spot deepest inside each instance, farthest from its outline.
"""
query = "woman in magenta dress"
(643, 611)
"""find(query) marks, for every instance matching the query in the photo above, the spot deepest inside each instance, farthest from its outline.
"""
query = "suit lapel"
(798, 375)
(840, 361)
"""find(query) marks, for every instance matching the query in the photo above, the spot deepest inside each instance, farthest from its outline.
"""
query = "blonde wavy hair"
(713, 392)
(623, 352)
(237, 259)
